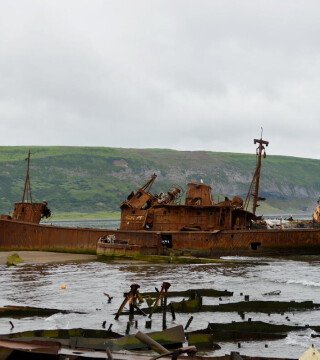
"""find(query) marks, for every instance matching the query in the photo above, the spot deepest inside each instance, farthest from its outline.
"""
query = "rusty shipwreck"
(161, 225)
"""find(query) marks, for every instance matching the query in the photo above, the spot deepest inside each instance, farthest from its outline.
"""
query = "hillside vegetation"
(96, 180)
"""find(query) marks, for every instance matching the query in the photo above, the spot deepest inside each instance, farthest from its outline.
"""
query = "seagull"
(109, 297)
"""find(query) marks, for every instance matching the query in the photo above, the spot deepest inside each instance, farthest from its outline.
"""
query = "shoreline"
(45, 257)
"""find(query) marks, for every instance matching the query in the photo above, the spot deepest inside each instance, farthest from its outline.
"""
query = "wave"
(241, 258)
(304, 282)
(302, 338)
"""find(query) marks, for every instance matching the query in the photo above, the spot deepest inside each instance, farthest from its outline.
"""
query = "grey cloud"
(178, 74)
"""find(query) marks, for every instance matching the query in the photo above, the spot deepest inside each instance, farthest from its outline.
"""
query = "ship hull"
(273, 242)
(15, 235)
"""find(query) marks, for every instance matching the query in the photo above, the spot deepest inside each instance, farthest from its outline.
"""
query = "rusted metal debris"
(45, 347)
(10, 349)
(190, 350)
(195, 304)
(27, 311)
(256, 306)
(191, 293)
(18, 349)
(88, 337)
(100, 339)
(161, 295)
(174, 337)
(88, 343)
(239, 331)
(131, 298)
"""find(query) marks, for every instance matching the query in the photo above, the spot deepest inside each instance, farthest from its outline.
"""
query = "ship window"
(164, 213)
(255, 245)
(166, 240)
(139, 194)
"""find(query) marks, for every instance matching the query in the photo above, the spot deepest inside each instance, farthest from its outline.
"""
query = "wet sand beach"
(42, 257)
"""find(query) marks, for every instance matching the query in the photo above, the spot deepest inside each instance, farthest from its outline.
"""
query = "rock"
(14, 259)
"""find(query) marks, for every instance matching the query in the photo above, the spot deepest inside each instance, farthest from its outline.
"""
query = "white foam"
(304, 282)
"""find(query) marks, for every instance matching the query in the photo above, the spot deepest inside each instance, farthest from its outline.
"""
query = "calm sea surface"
(39, 285)
(97, 224)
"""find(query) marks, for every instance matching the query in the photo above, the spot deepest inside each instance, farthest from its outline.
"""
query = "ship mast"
(254, 186)
(27, 197)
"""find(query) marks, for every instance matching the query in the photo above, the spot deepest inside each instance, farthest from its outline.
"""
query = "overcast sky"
(189, 75)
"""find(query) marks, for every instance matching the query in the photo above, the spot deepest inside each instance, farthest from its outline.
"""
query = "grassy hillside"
(96, 180)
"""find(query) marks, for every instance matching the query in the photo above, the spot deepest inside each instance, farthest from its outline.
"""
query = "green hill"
(92, 180)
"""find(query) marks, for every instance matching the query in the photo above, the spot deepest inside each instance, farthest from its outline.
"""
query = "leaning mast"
(254, 186)
(27, 197)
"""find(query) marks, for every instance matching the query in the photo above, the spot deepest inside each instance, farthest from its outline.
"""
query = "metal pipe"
(151, 343)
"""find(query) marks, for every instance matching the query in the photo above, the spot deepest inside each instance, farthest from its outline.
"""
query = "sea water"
(86, 283)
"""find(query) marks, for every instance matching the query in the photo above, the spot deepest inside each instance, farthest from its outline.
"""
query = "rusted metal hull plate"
(16, 235)
(227, 242)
